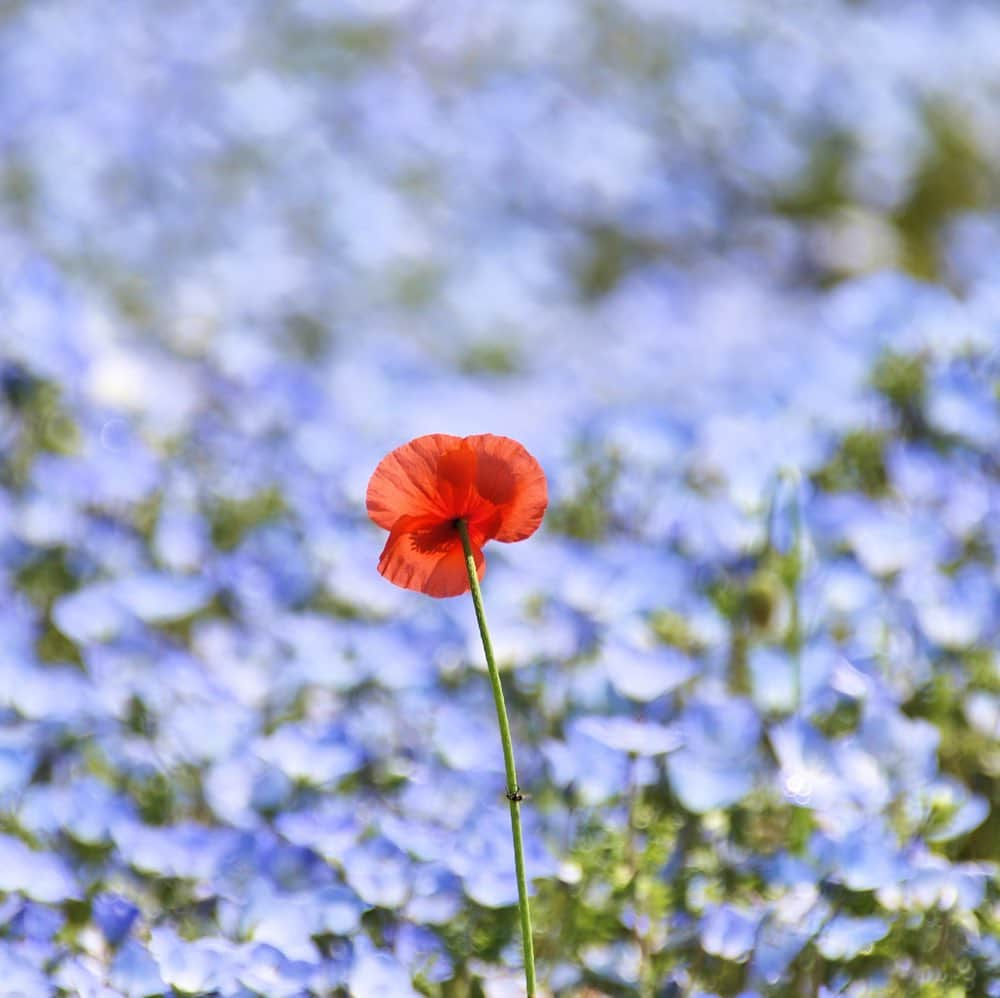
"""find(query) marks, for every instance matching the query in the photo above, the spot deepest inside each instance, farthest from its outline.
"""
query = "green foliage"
(954, 176)
(822, 187)
(670, 628)
(965, 752)
(306, 336)
(902, 380)
(603, 263)
(231, 520)
(857, 465)
(587, 515)
(45, 577)
(42, 425)
(417, 284)
(490, 358)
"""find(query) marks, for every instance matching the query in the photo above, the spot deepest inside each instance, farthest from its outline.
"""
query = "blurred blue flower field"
(731, 272)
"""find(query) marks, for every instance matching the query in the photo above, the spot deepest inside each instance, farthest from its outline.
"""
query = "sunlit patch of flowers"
(730, 274)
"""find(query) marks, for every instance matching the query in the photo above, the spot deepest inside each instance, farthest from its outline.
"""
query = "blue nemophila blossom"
(953, 613)
(418, 947)
(43, 876)
(375, 972)
(104, 609)
(399, 655)
(289, 921)
(787, 927)
(931, 883)
(619, 961)
(458, 738)
(963, 810)
(594, 772)
(91, 614)
(42, 320)
(886, 542)
(47, 520)
(18, 758)
(115, 916)
(268, 971)
(22, 973)
(905, 749)
(728, 932)
(85, 808)
(844, 937)
(35, 923)
(480, 859)
(638, 738)
(644, 674)
(309, 756)
(186, 850)
(82, 975)
(983, 712)
(810, 769)
(199, 965)
(436, 897)
(865, 858)
(181, 541)
(157, 598)
(776, 678)
(378, 872)
(716, 763)
(237, 790)
(54, 694)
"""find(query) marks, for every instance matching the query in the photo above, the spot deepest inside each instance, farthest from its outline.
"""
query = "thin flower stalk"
(514, 796)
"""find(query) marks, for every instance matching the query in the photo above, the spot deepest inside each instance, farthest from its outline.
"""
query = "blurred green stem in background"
(513, 791)
(793, 578)
(786, 499)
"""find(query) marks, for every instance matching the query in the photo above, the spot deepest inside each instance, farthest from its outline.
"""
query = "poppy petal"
(405, 483)
(427, 557)
(456, 479)
(484, 521)
(450, 576)
(510, 478)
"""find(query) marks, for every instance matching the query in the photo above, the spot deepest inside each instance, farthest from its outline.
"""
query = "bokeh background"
(728, 269)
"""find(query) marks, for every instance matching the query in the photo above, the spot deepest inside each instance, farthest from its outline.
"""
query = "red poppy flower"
(419, 490)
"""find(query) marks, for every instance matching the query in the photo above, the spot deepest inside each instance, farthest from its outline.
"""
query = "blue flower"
(716, 764)
(729, 932)
(864, 859)
(42, 876)
(114, 916)
(641, 738)
(644, 674)
(844, 937)
(378, 872)
(199, 966)
(376, 973)
(21, 974)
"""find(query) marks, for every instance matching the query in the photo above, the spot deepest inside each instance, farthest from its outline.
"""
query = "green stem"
(633, 861)
(513, 791)
(795, 623)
